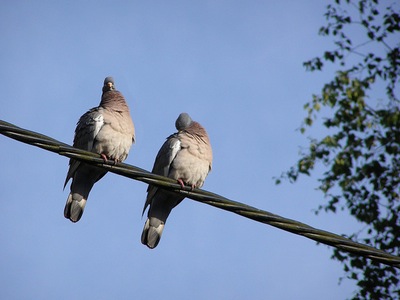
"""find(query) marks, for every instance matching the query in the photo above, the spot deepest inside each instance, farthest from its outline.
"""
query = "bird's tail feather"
(74, 207)
(152, 232)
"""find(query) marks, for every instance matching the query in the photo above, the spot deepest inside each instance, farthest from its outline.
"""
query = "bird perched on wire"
(107, 130)
(186, 156)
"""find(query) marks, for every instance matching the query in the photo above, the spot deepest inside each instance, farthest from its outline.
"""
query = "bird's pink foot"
(104, 157)
(180, 181)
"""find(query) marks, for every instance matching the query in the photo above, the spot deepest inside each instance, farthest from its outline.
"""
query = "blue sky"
(235, 67)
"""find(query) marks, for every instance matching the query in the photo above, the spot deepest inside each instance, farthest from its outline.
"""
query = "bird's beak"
(109, 84)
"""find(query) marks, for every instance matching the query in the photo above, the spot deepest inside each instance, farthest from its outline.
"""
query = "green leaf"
(317, 106)
(371, 35)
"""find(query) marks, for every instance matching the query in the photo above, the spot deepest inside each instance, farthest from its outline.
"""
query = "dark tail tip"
(151, 235)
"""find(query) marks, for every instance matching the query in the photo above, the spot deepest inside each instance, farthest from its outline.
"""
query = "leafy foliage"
(361, 153)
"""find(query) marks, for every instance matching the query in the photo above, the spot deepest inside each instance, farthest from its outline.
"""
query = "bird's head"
(108, 84)
(183, 121)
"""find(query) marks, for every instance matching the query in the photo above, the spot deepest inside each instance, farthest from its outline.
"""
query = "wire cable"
(203, 196)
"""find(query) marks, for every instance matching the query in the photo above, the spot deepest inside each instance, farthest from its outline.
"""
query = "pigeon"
(107, 130)
(186, 156)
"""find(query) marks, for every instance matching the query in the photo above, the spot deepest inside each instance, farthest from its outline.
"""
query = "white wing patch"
(175, 147)
(98, 123)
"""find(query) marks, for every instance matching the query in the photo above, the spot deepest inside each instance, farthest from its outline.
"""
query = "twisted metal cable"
(331, 239)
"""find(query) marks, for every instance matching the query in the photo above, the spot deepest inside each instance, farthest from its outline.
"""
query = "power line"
(203, 196)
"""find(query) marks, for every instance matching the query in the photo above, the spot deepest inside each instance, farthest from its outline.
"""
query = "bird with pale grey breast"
(107, 130)
(186, 156)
